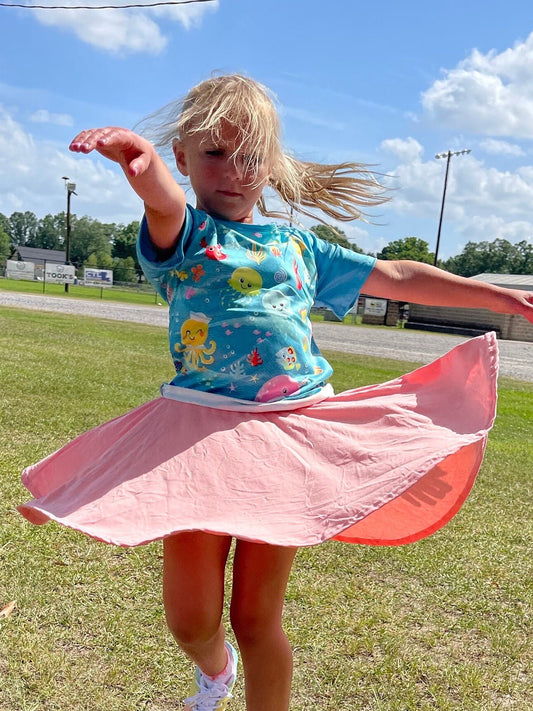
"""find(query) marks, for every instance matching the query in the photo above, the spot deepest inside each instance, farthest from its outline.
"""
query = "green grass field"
(134, 294)
(443, 624)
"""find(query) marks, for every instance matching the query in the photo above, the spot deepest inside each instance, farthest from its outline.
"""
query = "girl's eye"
(216, 152)
(251, 160)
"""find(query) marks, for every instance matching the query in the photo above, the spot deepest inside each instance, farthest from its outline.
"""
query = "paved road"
(516, 357)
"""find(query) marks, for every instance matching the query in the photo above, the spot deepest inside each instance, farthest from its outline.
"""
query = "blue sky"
(386, 83)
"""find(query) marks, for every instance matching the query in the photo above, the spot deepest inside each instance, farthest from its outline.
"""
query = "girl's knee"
(193, 584)
(260, 576)
(188, 629)
(250, 623)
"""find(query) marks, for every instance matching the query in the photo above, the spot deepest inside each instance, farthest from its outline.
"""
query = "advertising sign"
(60, 273)
(97, 277)
(376, 307)
(20, 270)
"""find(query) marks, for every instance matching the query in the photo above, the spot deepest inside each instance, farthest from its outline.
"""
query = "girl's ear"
(179, 155)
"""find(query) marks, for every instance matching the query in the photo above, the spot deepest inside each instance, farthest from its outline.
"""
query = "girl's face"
(226, 186)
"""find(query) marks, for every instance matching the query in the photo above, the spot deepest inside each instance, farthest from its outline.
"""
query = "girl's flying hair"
(341, 191)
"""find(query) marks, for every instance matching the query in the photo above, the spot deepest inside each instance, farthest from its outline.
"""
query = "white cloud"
(190, 15)
(480, 229)
(491, 93)
(44, 116)
(482, 201)
(361, 237)
(125, 31)
(503, 148)
(407, 150)
(31, 173)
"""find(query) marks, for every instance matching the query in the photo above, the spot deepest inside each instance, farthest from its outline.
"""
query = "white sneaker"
(209, 694)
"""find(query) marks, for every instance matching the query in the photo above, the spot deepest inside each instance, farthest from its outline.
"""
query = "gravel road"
(516, 357)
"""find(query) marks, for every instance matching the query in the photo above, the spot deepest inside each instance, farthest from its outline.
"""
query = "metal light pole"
(71, 189)
(448, 156)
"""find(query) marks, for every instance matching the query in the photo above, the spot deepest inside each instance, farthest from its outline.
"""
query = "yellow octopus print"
(194, 333)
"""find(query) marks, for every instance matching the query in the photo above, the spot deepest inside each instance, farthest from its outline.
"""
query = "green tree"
(47, 235)
(88, 236)
(4, 224)
(125, 241)
(124, 270)
(5, 247)
(125, 244)
(60, 224)
(5, 241)
(497, 257)
(522, 262)
(336, 236)
(408, 248)
(100, 260)
(23, 228)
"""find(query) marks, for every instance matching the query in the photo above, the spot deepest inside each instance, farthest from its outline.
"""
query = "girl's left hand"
(525, 304)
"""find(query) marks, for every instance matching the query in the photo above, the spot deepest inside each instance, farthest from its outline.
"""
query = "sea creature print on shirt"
(276, 388)
(194, 333)
(213, 251)
(287, 358)
(276, 302)
(246, 281)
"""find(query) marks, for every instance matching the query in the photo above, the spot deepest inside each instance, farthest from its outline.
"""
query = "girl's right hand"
(131, 151)
(147, 173)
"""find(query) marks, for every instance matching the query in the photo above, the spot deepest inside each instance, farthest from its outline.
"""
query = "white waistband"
(223, 402)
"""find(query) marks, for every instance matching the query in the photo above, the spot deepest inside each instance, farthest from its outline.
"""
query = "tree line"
(497, 257)
(112, 246)
(92, 243)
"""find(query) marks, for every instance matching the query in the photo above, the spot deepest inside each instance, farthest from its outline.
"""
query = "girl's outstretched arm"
(405, 280)
(148, 175)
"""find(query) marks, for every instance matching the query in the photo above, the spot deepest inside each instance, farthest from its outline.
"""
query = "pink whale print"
(276, 388)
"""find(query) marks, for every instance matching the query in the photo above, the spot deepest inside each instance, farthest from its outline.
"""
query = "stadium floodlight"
(71, 190)
(448, 155)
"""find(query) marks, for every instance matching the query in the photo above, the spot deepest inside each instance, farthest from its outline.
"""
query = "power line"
(102, 7)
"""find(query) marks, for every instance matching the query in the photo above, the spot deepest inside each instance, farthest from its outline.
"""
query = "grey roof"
(32, 254)
(516, 281)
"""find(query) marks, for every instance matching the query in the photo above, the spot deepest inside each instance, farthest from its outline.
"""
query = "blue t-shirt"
(240, 297)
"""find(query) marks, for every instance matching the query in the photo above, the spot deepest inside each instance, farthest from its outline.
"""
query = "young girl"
(248, 441)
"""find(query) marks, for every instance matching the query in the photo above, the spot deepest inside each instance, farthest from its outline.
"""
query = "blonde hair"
(342, 191)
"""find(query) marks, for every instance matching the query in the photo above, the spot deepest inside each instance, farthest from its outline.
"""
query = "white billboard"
(20, 270)
(97, 277)
(60, 273)
(375, 307)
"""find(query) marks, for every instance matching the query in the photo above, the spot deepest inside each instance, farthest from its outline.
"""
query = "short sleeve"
(147, 255)
(341, 274)
(153, 268)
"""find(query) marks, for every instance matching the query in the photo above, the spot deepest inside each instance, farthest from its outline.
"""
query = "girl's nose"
(234, 169)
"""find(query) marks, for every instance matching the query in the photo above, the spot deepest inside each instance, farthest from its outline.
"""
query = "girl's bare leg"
(193, 593)
(260, 576)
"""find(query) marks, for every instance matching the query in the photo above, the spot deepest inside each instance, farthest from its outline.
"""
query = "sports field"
(442, 624)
